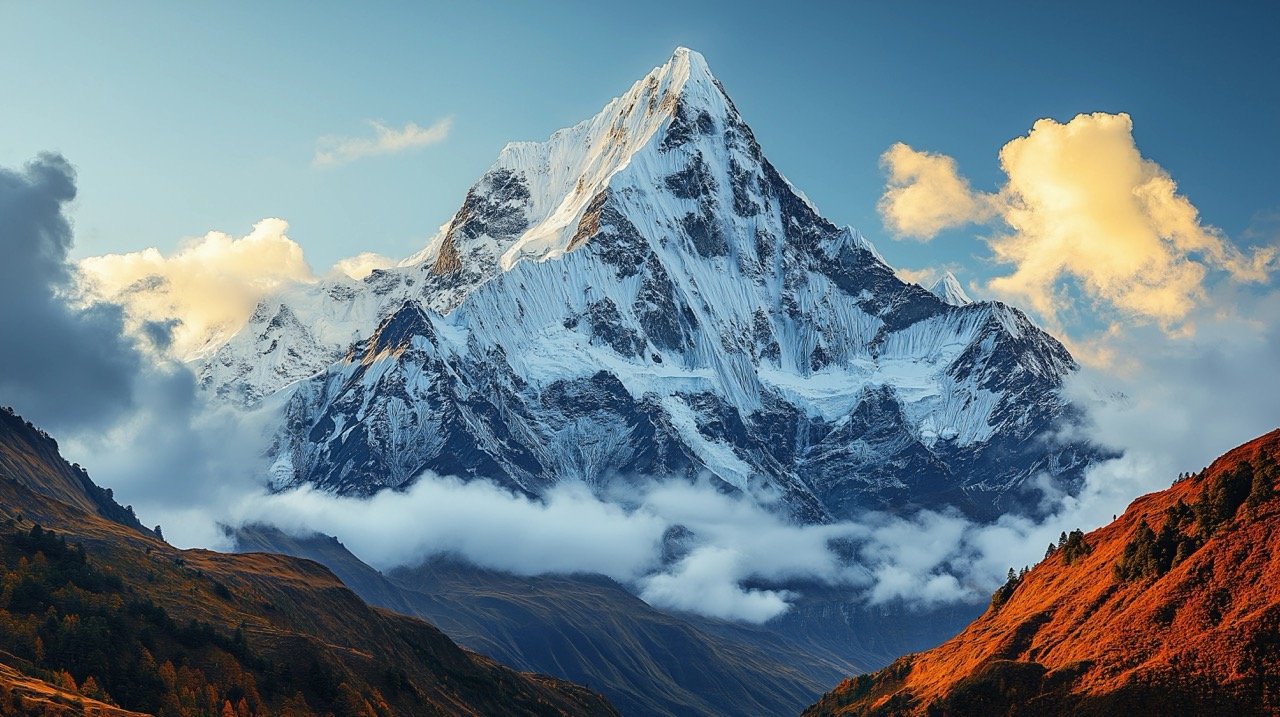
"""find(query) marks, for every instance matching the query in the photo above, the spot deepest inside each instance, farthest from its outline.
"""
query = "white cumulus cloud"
(206, 289)
(1080, 205)
(361, 265)
(925, 194)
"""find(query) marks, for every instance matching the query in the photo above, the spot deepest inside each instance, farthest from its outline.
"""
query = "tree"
(1075, 547)
(89, 688)
(1004, 592)
(1261, 489)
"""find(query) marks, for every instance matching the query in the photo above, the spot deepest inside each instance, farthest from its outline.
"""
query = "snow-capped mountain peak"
(539, 191)
(644, 294)
(948, 288)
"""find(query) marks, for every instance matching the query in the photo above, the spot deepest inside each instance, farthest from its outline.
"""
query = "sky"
(183, 119)
(1111, 170)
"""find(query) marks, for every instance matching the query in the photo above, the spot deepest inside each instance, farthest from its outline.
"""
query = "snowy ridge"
(645, 295)
(948, 288)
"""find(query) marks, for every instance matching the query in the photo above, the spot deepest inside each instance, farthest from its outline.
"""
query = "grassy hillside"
(94, 609)
(1173, 608)
(589, 629)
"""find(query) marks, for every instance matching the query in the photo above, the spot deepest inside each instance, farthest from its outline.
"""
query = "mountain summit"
(948, 288)
(644, 294)
(540, 191)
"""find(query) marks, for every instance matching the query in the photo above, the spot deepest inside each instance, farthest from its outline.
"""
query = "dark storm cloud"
(136, 420)
(61, 366)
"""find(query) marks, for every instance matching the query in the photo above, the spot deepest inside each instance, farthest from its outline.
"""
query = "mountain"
(948, 288)
(95, 610)
(644, 294)
(590, 630)
(1170, 609)
(30, 457)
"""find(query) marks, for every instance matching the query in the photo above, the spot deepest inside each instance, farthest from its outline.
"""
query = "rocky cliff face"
(643, 295)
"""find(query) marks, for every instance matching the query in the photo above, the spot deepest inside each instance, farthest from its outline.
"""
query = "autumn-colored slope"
(590, 630)
(173, 632)
(30, 457)
(1174, 630)
(23, 695)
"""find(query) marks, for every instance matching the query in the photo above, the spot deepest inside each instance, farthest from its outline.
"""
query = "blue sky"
(183, 118)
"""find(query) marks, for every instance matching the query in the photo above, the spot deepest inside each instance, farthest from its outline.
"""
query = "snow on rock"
(644, 294)
(949, 290)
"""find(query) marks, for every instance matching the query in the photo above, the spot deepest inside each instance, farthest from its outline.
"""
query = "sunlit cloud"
(208, 287)
(333, 150)
(361, 265)
(204, 291)
(924, 277)
(925, 194)
(1082, 208)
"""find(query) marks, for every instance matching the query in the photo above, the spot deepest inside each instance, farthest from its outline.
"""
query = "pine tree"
(1261, 489)
(1075, 547)
(90, 688)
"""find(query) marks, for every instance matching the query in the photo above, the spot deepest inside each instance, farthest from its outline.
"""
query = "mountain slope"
(30, 457)
(644, 294)
(22, 695)
(174, 632)
(1170, 609)
(589, 630)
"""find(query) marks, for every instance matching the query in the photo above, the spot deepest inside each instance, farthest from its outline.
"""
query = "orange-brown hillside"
(1173, 608)
(25, 695)
(96, 615)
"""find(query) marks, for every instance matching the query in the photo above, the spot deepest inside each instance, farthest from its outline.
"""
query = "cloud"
(570, 531)
(1081, 208)
(1185, 400)
(707, 582)
(925, 194)
(206, 289)
(333, 150)
(174, 457)
(361, 265)
(733, 559)
(924, 277)
(65, 367)
(68, 364)
(188, 302)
